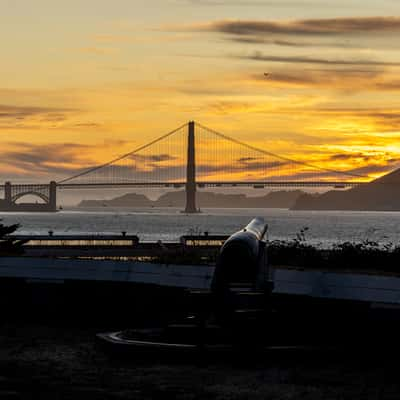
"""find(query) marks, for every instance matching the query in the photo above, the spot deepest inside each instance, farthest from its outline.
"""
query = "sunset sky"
(84, 81)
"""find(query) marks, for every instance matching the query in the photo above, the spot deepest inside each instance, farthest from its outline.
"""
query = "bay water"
(323, 227)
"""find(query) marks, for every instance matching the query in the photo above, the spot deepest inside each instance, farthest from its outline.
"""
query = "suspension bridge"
(190, 157)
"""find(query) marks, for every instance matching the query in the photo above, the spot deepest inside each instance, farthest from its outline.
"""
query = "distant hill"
(277, 199)
(127, 200)
(382, 194)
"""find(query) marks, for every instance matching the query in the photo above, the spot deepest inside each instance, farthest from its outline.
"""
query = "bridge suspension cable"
(115, 160)
(283, 158)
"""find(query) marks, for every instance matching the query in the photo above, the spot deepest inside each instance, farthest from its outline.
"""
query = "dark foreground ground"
(38, 361)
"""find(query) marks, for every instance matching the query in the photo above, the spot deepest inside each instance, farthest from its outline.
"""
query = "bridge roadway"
(202, 184)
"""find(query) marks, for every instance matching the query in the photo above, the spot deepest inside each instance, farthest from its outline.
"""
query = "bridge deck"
(200, 184)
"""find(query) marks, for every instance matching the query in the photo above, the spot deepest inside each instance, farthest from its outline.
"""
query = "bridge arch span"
(47, 193)
(42, 196)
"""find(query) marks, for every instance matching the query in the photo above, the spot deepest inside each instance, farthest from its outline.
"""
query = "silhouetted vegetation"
(365, 255)
(9, 246)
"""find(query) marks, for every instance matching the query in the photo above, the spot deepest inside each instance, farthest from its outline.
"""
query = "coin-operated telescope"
(242, 262)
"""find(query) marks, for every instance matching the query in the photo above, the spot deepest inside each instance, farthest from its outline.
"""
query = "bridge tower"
(53, 196)
(191, 172)
(7, 193)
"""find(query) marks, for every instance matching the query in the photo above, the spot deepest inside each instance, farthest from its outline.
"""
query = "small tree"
(9, 245)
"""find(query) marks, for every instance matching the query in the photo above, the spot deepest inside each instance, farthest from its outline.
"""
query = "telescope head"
(242, 260)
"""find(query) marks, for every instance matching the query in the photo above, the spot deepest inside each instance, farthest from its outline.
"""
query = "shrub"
(9, 245)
